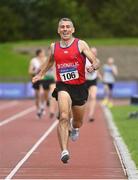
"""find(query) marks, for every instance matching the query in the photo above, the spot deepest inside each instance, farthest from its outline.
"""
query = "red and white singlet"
(70, 63)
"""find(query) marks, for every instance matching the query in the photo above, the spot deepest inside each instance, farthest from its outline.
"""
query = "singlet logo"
(67, 65)
(66, 52)
(68, 71)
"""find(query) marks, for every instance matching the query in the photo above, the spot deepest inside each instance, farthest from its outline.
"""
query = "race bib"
(67, 74)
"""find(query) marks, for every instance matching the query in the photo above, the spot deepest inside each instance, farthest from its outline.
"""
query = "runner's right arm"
(46, 66)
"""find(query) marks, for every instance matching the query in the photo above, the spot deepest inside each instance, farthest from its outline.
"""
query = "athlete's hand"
(36, 78)
(90, 69)
(94, 66)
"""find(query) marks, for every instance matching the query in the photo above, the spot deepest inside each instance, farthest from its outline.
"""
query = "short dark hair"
(65, 19)
(38, 51)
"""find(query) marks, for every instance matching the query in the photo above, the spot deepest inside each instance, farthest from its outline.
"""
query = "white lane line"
(8, 104)
(16, 116)
(24, 159)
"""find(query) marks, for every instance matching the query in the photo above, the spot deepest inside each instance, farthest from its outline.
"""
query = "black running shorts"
(91, 83)
(110, 85)
(36, 85)
(46, 83)
(78, 93)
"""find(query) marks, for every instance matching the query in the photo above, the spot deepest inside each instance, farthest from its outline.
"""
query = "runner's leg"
(52, 101)
(78, 114)
(91, 102)
(64, 102)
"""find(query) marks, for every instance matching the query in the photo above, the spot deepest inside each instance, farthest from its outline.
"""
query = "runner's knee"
(64, 117)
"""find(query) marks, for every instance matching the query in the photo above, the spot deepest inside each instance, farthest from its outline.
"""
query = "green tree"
(37, 19)
(10, 25)
(120, 18)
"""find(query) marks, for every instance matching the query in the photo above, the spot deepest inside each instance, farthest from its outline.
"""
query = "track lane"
(93, 156)
(17, 138)
(31, 151)
(12, 110)
(17, 116)
(5, 105)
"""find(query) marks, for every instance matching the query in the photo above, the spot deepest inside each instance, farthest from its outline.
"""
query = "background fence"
(122, 89)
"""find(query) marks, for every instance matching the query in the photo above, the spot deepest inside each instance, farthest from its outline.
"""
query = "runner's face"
(42, 55)
(65, 30)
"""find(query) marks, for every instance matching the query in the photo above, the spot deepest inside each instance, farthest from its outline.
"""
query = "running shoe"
(65, 156)
(39, 113)
(74, 134)
(105, 102)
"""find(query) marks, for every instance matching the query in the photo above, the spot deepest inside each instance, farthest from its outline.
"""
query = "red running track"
(93, 156)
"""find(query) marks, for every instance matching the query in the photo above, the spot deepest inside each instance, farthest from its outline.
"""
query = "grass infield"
(128, 128)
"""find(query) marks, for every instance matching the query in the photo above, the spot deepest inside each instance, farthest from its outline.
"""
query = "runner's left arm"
(84, 48)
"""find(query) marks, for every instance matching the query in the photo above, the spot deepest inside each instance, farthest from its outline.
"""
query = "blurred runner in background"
(34, 68)
(110, 72)
(44, 87)
(49, 85)
(91, 80)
